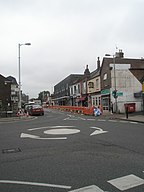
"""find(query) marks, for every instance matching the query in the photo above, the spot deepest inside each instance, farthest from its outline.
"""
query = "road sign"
(114, 94)
(119, 93)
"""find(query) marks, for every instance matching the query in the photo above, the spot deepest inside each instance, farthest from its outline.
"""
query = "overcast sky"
(65, 36)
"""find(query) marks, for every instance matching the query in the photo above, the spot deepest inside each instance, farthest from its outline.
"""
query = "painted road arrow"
(34, 184)
(97, 131)
(25, 135)
(92, 188)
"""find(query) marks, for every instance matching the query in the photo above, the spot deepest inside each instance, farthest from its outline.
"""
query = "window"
(71, 90)
(97, 83)
(91, 85)
(78, 88)
(84, 87)
(105, 76)
(96, 101)
(74, 89)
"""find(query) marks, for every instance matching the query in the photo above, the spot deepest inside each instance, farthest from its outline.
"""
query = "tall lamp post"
(115, 85)
(19, 45)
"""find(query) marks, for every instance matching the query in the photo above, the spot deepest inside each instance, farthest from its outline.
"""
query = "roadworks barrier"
(74, 109)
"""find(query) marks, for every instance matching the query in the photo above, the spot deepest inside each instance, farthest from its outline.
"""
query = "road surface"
(63, 152)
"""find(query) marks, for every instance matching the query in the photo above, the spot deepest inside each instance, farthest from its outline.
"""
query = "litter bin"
(130, 107)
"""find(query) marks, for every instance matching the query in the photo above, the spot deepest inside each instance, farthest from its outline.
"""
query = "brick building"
(5, 94)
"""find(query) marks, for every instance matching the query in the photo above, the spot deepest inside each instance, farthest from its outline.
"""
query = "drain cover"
(12, 150)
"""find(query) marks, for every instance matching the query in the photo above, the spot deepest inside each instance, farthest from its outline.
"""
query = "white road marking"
(74, 118)
(82, 118)
(98, 131)
(92, 188)
(61, 131)
(69, 118)
(101, 120)
(123, 121)
(112, 120)
(132, 122)
(25, 135)
(37, 128)
(127, 182)
(91, 119)
(35, 184)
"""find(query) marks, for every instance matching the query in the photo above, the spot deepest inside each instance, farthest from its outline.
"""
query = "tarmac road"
(65, 152)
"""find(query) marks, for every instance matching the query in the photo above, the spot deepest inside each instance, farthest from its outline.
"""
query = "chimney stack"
(119, 54)
(87, 72)
(98, 63)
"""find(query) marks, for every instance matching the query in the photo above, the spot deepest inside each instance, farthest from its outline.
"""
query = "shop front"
(105, 98)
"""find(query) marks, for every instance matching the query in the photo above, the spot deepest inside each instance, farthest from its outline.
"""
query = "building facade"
(116, 76)
(14, 93)
(94, 87)
(5, 94)
(61, 94)
(115, 84)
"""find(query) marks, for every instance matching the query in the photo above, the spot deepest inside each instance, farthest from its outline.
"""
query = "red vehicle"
(35, 110)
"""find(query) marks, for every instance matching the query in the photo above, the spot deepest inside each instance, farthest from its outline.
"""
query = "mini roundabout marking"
(52, 130)
(59, 132)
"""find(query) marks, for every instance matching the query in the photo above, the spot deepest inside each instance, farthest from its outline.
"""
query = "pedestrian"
(111, 107)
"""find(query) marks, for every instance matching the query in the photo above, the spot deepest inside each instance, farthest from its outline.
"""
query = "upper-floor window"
(97, 83)
(105, 76)
(91, 85)
(74, 89)
(78, 88)
(84, 87)
(71, 90)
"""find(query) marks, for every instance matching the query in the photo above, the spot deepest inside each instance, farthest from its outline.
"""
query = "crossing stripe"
(127, 182)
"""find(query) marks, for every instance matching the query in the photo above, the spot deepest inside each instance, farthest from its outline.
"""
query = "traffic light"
(114, 93)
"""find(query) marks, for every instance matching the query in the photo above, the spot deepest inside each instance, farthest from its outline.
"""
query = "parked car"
(27, 105)
(35, 110)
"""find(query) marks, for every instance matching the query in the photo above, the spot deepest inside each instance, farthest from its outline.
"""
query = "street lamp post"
(19, 45)
(115, 85)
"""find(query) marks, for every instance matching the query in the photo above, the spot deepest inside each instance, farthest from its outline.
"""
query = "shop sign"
(105, 92)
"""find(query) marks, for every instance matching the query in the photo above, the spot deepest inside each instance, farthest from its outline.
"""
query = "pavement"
(15, 119)
(135, 117)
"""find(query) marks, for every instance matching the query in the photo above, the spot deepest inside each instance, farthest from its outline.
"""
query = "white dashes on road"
(101, 120)
(113, 120)
(127, 182)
